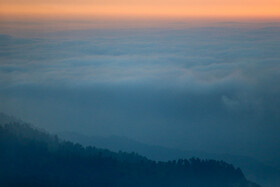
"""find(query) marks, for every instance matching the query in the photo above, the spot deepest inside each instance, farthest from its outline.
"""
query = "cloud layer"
(214, 89)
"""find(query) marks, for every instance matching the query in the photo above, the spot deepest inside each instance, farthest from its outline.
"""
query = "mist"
(213, 89)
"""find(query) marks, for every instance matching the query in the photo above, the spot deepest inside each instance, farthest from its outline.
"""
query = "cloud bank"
(214, 89)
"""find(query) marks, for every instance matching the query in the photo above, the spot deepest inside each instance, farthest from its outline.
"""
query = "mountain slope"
(30, 157)
(254, 170)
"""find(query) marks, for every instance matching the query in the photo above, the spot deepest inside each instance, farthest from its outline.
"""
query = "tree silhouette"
(30, 157)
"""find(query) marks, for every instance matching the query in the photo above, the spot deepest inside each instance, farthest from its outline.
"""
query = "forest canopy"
(32, 157)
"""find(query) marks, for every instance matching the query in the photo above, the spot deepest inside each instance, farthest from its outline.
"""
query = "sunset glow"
(134, 8)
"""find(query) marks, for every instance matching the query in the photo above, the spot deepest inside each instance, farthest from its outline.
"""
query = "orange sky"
(140, 8)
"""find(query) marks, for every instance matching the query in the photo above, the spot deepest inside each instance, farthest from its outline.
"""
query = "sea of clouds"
(214, 89)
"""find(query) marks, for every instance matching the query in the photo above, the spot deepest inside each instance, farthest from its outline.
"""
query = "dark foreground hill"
(254, 170)
(30, 157)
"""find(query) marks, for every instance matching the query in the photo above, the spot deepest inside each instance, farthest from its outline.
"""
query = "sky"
(194, 75)
(134, 8)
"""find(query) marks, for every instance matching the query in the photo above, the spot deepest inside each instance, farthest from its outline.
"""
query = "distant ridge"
(253, 169)
(30, 157)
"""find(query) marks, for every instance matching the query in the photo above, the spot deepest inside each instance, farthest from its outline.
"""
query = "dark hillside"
(30, 157)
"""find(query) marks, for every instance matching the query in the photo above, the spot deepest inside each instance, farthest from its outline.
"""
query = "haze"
(194, 75)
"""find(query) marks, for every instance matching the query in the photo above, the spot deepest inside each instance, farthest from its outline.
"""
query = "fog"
(213, 89)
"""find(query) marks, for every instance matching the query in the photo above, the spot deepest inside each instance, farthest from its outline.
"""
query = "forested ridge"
(32, 157)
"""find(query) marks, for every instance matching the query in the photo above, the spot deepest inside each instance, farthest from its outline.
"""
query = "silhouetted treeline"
(30, 157)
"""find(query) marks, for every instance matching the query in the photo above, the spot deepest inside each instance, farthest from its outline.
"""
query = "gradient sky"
(143, 8)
